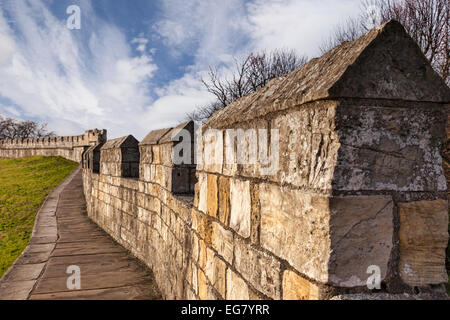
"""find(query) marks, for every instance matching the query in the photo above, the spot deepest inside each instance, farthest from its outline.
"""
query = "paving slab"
(25, 272)
(16, 290)
(103, 280)
(64, 236)
(87, 247)
(135, 292)
(33, 257)
(46, 247)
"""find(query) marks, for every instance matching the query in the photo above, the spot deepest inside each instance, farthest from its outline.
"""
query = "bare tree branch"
(17, 129)
(248, 75)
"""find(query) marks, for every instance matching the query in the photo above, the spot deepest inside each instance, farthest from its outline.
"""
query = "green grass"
(24, 184)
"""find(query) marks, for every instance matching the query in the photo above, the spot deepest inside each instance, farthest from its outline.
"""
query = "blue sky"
(135, 65)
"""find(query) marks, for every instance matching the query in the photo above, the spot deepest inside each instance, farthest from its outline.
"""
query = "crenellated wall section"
(69, 147)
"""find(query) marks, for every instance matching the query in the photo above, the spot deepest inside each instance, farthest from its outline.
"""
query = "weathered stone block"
(202, 285)
(196, 192)
(220, 269)
(224, 200)
(163, 176)
(156, 207)
(205, 228)
(329, 239)
(255, 221)
(195, 248)
(237, 289)
(423, 237)
(195, 278)
(230, 165)
(140, 198)
(298, 288)
(294, 226)
(308, 147)
(361, 230)
(213, 151)
(222, 241)
(146, 154)
(203, 191)
(240, 207)
(389, 148)
(144, 216)
(166, 154)
(202, 260)
(209, 267)
(259, 268)
(156, 154)
(212, 195)
(145, 172)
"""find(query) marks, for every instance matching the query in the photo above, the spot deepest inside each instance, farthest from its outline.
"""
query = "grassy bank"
(24, 184)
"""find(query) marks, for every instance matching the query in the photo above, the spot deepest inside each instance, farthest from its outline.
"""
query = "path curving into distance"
(64, 236)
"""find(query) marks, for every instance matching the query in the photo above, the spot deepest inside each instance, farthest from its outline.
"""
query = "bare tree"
(17, 129)
(350, 30)
(248, 75)
(426, 21)
(201, 114)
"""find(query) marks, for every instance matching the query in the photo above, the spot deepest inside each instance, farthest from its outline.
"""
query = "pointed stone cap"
(154, 136)
(174, 135)
(123, 142)
(385, 63)
(167, 135)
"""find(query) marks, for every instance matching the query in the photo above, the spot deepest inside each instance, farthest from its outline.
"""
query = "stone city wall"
(305, 189)
(325, 183)
(69, 147)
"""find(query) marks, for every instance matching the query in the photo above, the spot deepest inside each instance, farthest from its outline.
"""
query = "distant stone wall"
(69, 147)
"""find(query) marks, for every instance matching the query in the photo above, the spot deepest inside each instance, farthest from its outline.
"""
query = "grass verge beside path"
(24, 184)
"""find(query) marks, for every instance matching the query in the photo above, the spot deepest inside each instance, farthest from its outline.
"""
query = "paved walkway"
(64, 236)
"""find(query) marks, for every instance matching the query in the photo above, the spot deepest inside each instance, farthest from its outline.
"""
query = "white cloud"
(7, 47)
(215, 31)
(77, 82)
(208, 29)
(175, 100)
(10, 111)
(52, 76)
(296, 24)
